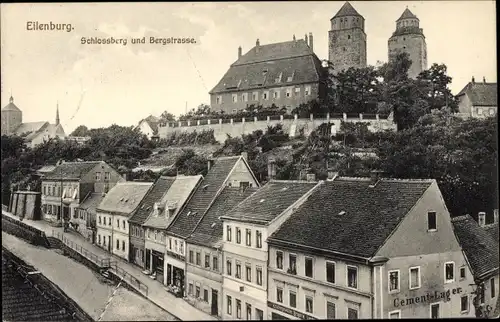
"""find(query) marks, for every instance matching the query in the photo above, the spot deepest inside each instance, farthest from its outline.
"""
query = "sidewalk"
(156, 293)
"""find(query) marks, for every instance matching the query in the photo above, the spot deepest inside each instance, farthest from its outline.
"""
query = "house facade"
(113, 213)
(149, 126)
(245, 250)
(87, 215)
(478, 99)
(386, 250)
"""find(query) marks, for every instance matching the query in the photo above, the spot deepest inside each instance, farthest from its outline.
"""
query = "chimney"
(257, 45)
(210, 163)
(484, 80)
(311, 41)
(307, 42)
(244, 155)
(332, 175)
(473, 80)
(271, 169)
(239, 52)
(482, 218)
(311, 177)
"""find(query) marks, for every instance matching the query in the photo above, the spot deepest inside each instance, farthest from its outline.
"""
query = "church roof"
(347, 10)
(11, 106)
(30, 127)
(407, 14)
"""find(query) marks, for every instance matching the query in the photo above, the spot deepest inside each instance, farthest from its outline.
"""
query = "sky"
(99, 85)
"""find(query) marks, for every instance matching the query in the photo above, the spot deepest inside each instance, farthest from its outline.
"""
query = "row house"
(204, 248)
(113, 213)
(365, 248)
(69, 183)
(156, 243)
(245, 250)
(137, 233)
(86, 212)
(224, 171)
(480, 247)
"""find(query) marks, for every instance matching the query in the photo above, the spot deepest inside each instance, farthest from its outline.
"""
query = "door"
(435, 311)
(148, 259)
(215, 303)
(169, 274)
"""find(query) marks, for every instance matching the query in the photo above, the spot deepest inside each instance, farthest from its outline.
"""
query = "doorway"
(148, 259)
(215, 303)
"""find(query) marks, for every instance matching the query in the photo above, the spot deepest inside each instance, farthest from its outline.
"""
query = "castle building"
(285, 74)
(33, 132)
(347, 39)
(409, 37)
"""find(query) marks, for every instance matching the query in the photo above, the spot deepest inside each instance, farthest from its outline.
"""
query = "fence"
(129, 278)
(101, 262)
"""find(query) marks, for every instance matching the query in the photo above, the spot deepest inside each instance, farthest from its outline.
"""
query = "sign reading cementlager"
(429, 297)
(290, 311)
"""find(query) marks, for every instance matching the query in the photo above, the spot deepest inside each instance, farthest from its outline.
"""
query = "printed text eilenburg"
(37, 26)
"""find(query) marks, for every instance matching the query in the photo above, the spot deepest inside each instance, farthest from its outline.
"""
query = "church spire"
(57, 114)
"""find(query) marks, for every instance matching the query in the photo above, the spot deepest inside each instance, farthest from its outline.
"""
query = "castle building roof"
(346, 10)
(11, 106)
(407, 14)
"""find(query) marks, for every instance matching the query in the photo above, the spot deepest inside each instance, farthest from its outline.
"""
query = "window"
(228, 265)
(395, 314)
(118, 223)
(218, 99)
(109, 221)
(205, 295)
(235, 98)
(248, 238)
(259, 314)
(464, 304)
(238, 270)
(99, 239)
(190, 289)
(238, 309)
(265, 95)
(431, 221)
(492, 287)
(215, 263)
(99, 219)
(106, 175)
(352, 314)
(123, 245)
(309, 267)
(462, 273)
(279, 295)
(307, 90)
(191, 254)
(97, 176)
(228, 229)
(309, 304)
(394, 281)
(330, 310)
(479, 111)
(229, 308)
(414, 277)
(244, 97)
(181, 250)
(435, 311)
(258, 236)
(197, 292)
(288, 92)
(276, 94)
(198, 258)
(449, 272)
(289, 79)
(117, 244)
(492, 111)
(348, 36)
(123, 223)
(292, 299)
(297, 91)
(330, 272)
(255, 96)
(248, 269)
(207, 261)
(292, 264)
(259, 275)
(352, 276)
(249, 312)
(238, 235)
(279, 260)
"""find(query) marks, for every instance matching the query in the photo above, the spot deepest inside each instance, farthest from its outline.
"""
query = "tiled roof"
(481, 94)
(346, 10)
(157, 190)
(124, 197)
(209, 230)
(74, 170)
(91, 202)
(407, 14)
(11, 106)
(205, 194)
(348, 215)
(492, 229)
(271, 200)
(29, 127)
(177, 194)
(479, 247)
(262, 66)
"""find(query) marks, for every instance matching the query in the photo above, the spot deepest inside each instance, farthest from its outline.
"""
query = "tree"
(189, 163)
(434, 82)
(358, 90)
(167, 117)
(81, 130)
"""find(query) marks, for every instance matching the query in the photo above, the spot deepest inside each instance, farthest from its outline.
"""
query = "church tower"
(12, 117)
(347, 39)
(409, 37)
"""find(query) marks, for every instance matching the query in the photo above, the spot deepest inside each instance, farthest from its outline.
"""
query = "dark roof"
(11, 106)
(479, 247)
(209, 230)
(204, 195)
(73, 170)
(91, 202)
(492, 229)
(157, 190)
(271, 200)
(346, 10)
(481, 94)
(407, 14)
(348, 215)
(124, 197)
(262, 65)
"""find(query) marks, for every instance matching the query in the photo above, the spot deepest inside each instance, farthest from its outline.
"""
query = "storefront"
(157, 264)
(174, 277)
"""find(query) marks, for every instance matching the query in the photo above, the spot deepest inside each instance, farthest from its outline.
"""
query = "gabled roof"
(91, 202)
(264, 64)
(350, 215)
(346, 10)
(270, 200)
(30, 127)
(71, 170)
(204, 195)
(492, 229)
(124, 197)
(51, 130)
(152, 121)
(481, 94)
(177, 194)
(479, 247)
(158, 189)
(407, 14)
(209, 231)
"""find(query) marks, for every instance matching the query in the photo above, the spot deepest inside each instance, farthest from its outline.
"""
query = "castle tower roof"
(11, 106)
(347, 10)
(407, 14)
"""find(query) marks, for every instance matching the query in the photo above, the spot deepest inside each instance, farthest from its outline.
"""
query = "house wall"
(45, 136)
(145, 129)
(240, 174)
(102, 184)
(137, 242)
(104, 230)
(490, 301)
(120, 236)
(51, 195)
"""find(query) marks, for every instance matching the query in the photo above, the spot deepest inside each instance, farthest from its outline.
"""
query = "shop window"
(259, 314)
